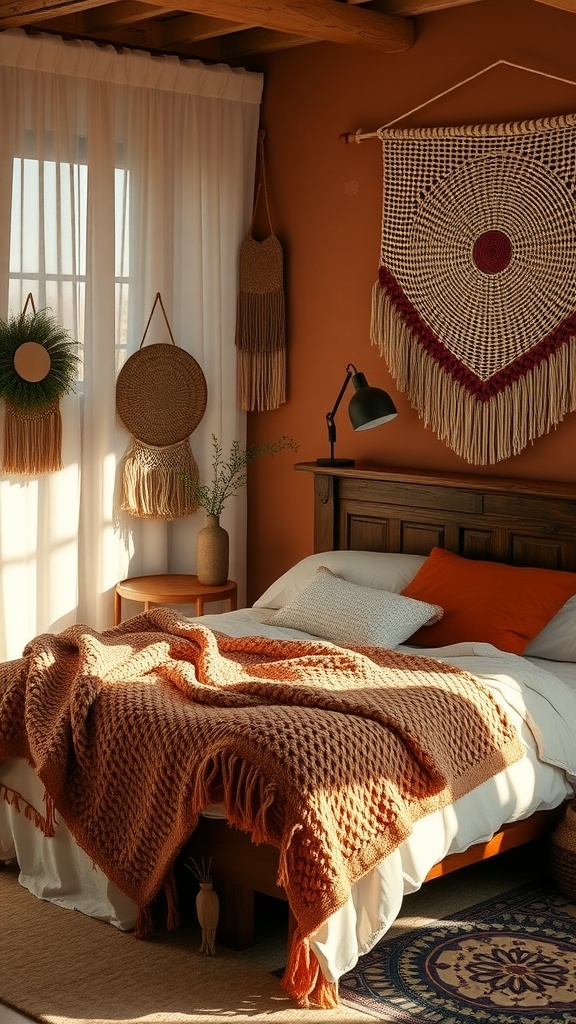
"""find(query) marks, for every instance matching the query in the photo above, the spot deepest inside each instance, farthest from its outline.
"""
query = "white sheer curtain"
(121, 175)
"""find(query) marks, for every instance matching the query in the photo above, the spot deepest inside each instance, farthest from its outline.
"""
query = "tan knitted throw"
(329, 754)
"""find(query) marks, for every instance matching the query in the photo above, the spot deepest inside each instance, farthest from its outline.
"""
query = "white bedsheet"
(539, 696)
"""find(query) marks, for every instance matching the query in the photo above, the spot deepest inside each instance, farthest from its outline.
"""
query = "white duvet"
(540, 698)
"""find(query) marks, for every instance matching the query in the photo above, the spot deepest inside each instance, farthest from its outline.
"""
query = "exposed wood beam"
(562, 5)
(257, 42)
(327, 20)
(411, 8)
(15, 13)
(191, 28)
(124, 12)
(137, 36)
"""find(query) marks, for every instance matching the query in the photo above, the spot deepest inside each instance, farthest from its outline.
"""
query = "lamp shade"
(369, 407)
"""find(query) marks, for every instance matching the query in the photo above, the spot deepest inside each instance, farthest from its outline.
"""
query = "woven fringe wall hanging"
(475, 305)
(38, 365)
(260, 316)
(160, 398)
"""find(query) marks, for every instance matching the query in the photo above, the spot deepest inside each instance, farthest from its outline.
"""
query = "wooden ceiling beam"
(191, 28)
(327, 20)
(257, 42)
(412, 8)
(125, 12)
(562, 5)
(17, 13)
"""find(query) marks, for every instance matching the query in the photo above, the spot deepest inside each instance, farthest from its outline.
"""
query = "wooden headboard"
(521, 522)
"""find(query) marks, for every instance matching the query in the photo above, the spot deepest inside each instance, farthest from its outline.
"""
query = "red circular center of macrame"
(492, 252)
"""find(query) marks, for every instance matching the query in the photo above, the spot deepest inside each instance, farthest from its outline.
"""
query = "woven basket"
(563, 853)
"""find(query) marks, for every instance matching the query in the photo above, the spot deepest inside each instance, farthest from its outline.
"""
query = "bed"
(377, 529)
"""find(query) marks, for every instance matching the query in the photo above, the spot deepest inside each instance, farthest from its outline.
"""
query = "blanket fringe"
(303, 979)
(50, 814)
(144, 927)
(172, 913)
(44, 823)
(246, 794)
(482, 432)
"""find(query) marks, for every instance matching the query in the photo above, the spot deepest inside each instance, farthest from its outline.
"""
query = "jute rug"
(511, 958)
(64, 968)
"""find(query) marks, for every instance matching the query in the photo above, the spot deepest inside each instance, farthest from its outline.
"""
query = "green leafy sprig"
(43, 328)
(228, 477)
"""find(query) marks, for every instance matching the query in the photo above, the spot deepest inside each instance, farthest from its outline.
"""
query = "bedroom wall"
(326, 205)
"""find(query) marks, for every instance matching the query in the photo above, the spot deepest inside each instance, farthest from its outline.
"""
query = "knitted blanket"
(330, 754)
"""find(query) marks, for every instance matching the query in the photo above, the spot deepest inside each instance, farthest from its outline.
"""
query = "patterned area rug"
(508, 960)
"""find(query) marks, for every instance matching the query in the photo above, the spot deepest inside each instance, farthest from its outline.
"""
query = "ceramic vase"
(212, 553)
(208, 912)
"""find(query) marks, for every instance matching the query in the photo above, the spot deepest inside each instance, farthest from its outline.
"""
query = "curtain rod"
(359, 135)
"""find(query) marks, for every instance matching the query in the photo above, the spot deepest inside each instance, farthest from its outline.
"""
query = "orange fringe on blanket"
(45, 823)
(303, 979)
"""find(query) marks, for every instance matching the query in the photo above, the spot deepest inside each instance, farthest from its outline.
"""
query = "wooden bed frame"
(520, 522)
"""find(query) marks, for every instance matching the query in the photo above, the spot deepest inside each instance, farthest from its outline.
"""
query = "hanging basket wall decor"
(260, 314)
(160, 398)
(38, 366)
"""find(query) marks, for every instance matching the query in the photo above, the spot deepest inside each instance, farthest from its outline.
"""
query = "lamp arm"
(350, 369)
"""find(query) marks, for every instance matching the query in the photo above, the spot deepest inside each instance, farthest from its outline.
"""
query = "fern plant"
(42, 328)
(229, 476)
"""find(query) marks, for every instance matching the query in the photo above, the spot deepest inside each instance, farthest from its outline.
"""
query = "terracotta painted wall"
(326, 200)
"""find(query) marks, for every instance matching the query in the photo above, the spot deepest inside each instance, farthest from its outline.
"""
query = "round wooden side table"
(172, 588)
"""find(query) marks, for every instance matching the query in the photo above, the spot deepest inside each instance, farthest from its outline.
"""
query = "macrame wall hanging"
(38, 366)
(475, 305)
(160, 398)
(260, 317)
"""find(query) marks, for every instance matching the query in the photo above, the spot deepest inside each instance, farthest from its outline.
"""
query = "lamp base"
(334, 462)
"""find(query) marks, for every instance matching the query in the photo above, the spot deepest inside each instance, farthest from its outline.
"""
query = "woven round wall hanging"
(475, 304)
(38, 366)
(161, 397)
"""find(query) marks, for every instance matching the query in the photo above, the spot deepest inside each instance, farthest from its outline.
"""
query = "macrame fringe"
(303, 979)
(158, 483)
(261, 350)
(32, 440)
(260, 321)
(261, 379)
(482, 432)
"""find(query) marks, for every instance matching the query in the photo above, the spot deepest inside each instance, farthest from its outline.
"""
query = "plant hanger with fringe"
(161, 397)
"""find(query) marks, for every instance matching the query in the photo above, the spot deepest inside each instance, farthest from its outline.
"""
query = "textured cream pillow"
(347, 614)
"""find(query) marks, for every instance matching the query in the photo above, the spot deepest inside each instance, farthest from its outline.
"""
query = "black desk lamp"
(368, 407)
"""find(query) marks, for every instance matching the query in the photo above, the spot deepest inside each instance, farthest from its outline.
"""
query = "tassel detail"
(158, 483)
(260, 326)
(32, 440)
(303, 979)
(481, 430)
(260, 314)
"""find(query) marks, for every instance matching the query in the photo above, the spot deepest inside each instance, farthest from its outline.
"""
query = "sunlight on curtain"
(121, 175)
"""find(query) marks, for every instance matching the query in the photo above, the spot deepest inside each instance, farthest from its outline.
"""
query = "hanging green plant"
(38, 361)
(38, 365)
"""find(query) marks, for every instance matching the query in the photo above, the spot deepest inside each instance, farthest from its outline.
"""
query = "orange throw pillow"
(503, 605)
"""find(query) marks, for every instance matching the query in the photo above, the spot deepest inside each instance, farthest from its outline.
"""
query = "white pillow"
(384, 570)
(557, 641)
(347, 614)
